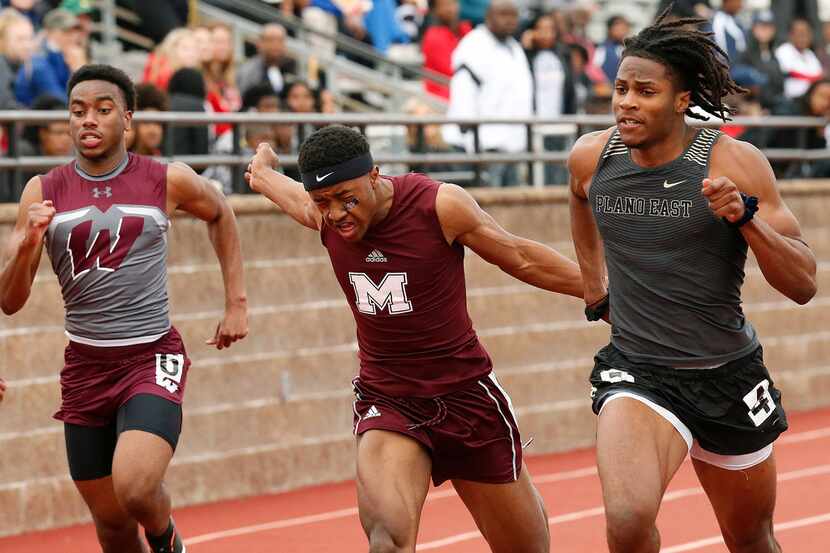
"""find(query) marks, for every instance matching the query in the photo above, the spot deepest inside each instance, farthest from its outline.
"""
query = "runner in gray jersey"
(104, 219)
(662, 217)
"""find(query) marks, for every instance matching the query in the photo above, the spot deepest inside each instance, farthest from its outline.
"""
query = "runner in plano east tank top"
(406, 288)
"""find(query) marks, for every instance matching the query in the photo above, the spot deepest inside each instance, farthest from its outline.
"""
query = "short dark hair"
(149, 96)
(100, 72)
(256, 93)
(613, 21)
(329, 146)
(694, 59)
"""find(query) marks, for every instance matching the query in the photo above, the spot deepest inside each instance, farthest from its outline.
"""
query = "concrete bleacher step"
(541, 332)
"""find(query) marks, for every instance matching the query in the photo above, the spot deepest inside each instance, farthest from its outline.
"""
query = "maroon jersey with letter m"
(406, 288)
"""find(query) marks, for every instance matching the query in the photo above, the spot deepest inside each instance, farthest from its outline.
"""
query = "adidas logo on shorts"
(372, 412)
(376, 256)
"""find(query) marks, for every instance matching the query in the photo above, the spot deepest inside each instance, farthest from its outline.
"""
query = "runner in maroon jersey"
(427, 403)
(103, 219)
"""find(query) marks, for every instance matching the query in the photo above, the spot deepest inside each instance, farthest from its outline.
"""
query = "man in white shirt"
(491, 78)
(798, 62)
(270, 64)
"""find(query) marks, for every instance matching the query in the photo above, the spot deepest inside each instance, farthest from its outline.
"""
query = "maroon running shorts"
(471, 434)
(96, 381)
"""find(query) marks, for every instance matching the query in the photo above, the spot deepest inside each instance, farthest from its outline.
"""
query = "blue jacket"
(46, 74)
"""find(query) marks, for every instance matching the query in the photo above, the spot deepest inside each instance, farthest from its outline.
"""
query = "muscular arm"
(280, 189)
(189, 192)
(589, 251)
(21, 255)
(774, 234)
(464, 221)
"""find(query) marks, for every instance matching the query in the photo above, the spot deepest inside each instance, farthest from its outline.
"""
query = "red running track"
(324, 518)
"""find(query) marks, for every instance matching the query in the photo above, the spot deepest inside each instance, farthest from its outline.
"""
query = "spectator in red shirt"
(439, 41)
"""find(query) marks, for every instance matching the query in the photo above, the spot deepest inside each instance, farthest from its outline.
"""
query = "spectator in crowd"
(46, 139)
(786, 11)
(34, 10)
(261, 97)
(608, 54)
(760, 54)
(798, 62)
(298, 97)
(62, 54)
(146, 138)
(204, 43)
(430, 141)
(160, 17)
(220, 73)
(731, 37)
(186, 90)
(491, 78)
(178, 50)
(440, 40)
(591, 96)
(270, 65)
(553, 85)
(82, 9)
(814, 103)
(16, 48)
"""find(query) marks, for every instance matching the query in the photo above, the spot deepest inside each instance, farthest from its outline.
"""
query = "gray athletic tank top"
(674, 269)
(108, 246)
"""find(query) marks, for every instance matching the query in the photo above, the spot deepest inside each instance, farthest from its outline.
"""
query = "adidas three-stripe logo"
(372, 412)
(376, 256)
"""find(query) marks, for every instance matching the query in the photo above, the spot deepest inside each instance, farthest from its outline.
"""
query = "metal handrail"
(380, 119)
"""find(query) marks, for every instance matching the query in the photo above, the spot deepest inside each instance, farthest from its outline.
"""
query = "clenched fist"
(265, 158)
(40, 215)
(724, 198)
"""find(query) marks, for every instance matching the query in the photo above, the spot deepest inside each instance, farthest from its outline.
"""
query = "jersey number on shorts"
(169, 367)
(760, 403)
(104, 253)
(390, 294)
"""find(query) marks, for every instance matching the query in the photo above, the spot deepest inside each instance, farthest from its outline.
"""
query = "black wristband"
(750, 207)
(597, 310)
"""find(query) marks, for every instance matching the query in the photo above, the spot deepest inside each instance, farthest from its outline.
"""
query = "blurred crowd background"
(512, 58)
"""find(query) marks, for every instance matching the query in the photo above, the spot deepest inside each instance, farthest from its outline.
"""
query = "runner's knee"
(629, 527)
(137, 492)
(751, 538)
(383, 540)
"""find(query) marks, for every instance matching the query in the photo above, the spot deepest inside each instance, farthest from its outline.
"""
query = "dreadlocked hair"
(693, 57)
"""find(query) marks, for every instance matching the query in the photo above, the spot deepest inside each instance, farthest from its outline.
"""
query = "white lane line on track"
(780, 527)
(598, 511)
(441, 494)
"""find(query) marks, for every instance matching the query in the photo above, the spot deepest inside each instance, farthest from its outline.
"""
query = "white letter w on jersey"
(390, 294)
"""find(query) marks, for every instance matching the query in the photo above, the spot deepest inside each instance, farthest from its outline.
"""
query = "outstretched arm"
(21, 256)
(774, 234)
(191, 193)
(586, 238)
(283, 191)
(464, 221)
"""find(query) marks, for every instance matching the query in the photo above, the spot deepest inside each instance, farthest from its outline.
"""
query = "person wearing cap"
(82, 9)
(61, 55)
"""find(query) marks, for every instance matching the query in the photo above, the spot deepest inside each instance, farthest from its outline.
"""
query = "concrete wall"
(274, 412)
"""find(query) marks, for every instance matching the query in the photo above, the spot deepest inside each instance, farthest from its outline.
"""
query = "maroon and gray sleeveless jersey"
(406, 288)
(108, 246)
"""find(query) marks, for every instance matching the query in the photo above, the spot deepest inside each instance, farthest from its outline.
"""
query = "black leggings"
(89, 449)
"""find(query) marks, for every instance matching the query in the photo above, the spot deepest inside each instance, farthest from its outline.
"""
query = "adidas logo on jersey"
(372, 412)
(376, 257)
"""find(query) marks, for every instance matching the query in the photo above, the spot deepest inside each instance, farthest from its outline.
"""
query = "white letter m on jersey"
(390, 294)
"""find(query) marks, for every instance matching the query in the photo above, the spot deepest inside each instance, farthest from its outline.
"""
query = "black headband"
(329, 176)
